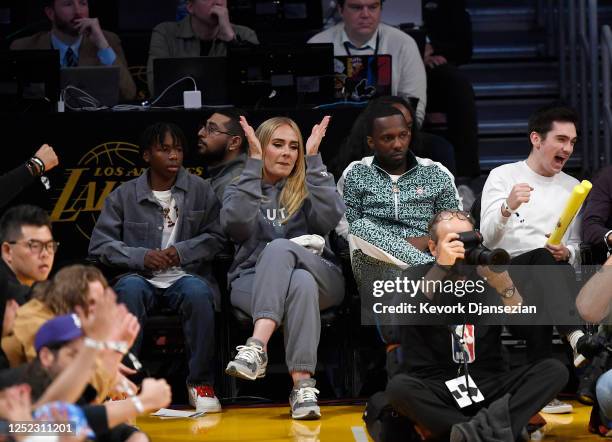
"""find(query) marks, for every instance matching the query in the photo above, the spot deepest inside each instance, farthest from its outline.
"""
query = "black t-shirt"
(14, 289)
(427, 350)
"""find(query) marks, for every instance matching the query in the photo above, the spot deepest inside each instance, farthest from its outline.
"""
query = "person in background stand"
(597, 216)
(222, 146)
(206, 31)
(449, 34)
(80, 40)
(13, 182)
(362, 33)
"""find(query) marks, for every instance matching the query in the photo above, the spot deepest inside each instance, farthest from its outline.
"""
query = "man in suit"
(80, 41)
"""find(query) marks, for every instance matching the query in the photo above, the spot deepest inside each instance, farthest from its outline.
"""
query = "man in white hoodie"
(521, 203)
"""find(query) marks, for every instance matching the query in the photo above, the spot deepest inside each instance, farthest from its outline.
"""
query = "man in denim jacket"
(161, 226)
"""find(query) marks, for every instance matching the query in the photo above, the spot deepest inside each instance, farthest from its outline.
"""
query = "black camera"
(476, 254)
(598, 349)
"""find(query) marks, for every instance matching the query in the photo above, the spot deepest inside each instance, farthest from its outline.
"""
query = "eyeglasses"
(448, 215)
(36, 247)
(213, 129)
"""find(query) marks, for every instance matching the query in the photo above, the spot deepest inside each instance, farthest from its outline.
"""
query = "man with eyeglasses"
(28, 248)
(221, 143)
(442, 351)
(362, 33)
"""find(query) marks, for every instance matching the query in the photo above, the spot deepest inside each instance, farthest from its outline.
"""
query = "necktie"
(70, 58)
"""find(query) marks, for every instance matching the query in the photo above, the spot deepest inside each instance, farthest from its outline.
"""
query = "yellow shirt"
(19, 346)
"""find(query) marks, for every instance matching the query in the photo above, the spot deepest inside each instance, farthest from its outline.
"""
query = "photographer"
(430, 388)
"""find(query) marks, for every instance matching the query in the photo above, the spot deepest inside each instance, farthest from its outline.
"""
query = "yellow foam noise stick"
(574, 202)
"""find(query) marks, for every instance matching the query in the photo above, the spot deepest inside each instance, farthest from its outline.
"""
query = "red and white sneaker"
(203, 398)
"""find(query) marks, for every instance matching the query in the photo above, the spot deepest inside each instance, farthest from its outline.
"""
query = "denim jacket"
(131, 223)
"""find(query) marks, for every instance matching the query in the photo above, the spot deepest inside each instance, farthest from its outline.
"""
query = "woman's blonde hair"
(294, 191)
(69, 288)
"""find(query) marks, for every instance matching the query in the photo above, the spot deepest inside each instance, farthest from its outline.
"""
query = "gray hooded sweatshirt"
(252, 217)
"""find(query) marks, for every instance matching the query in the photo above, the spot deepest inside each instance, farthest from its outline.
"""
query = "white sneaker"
(250, 362)
(203, 399)
(557, 407)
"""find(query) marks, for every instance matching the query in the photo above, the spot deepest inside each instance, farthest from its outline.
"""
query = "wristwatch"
(508, 292)
(506, 208)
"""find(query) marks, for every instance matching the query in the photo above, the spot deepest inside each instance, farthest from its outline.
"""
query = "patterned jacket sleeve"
(448, 199)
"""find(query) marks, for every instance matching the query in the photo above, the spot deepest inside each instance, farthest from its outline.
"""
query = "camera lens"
(498, 257)
(482, 256)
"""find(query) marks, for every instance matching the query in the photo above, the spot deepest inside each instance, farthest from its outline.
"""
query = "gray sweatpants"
(290, 285)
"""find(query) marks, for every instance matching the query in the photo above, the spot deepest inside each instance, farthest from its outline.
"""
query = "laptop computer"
(360, 78)
(29, 79)
(101, 82)
(282, 75)
(209, 73)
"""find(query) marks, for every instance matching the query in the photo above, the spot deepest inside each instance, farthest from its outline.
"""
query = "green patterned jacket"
(385, 214)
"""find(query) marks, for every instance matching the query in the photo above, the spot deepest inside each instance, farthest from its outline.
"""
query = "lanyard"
(348, 51)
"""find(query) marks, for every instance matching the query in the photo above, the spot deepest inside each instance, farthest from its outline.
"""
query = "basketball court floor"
(338, 424)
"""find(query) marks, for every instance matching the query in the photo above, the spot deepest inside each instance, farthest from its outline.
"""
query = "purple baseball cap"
(58, 330)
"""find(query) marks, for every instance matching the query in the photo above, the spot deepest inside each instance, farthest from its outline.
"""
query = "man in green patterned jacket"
(391, 196)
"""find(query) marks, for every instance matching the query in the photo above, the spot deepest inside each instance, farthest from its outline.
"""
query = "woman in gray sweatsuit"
(282, 194)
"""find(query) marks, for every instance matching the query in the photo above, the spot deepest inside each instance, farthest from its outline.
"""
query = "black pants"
(430, 406)
(450, 91)
(536, 288)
